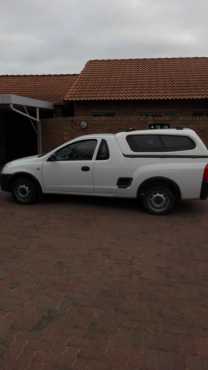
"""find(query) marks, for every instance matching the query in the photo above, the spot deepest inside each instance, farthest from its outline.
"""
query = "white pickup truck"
(158, 167)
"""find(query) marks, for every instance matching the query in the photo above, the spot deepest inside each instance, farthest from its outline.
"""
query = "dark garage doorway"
(18, 137)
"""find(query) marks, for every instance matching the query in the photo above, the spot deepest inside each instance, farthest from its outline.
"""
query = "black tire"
(25, 190)
(158, 199)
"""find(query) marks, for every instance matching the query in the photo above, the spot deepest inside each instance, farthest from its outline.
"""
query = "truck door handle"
(85, 168)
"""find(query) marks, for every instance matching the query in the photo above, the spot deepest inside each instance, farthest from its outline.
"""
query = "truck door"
(70, 169)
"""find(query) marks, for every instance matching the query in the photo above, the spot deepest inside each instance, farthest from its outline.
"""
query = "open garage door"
(20, 126)
(18, 136)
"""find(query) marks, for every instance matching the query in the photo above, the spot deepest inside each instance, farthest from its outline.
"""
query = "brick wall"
(140, 108)
(128, 114)
(58, 130)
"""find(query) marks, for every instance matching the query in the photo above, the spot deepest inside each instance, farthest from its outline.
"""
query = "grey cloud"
(51, 36)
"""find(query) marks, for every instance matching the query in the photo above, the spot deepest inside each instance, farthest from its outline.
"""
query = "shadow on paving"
(183, 207)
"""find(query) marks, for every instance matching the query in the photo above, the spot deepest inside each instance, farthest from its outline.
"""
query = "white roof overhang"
(8, 99)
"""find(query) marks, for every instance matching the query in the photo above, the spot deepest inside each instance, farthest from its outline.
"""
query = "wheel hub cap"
(23, 191)
(158, 200)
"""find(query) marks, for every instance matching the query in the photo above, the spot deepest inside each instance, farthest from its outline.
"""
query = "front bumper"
(204, 191)
(5, 181)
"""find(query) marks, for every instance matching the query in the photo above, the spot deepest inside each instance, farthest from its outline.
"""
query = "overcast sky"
(59, 36)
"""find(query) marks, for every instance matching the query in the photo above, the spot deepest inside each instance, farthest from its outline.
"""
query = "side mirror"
(52, 158)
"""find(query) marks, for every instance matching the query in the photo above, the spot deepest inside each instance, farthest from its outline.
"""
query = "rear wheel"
(158, 199)
(25, 190)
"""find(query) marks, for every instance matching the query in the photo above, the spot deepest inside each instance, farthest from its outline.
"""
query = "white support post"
(40, 143)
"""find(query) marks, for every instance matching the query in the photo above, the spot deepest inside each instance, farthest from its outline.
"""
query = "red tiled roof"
(44, 87)
(135, 79)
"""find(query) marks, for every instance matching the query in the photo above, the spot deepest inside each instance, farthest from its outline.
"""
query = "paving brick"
(201, 347)
(64, 360)
(16, 348)
(196, 363)
(160, 360)
(94, 348)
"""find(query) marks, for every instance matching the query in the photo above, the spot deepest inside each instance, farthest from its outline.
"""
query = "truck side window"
(79, 151)
(103, 152)
(159, 143)
(145, 143)
(176, 143)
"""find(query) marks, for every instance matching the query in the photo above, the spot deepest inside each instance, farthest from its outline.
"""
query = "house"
(109, 95)
(113, 95)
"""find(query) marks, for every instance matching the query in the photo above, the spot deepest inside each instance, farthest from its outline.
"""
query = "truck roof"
(91, 136)
(168, 131)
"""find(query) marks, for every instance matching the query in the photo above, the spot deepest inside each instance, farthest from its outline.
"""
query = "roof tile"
(44, 87)
(139, 79)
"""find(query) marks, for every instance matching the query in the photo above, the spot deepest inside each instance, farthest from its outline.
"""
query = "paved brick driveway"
(92, 284)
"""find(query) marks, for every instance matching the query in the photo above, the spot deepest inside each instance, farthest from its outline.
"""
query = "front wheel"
(25, 190)
(158, 200)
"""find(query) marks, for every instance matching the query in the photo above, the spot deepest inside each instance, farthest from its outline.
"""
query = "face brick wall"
(114, 116)
(140, 108)
(58, 130)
